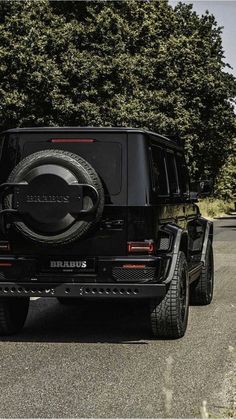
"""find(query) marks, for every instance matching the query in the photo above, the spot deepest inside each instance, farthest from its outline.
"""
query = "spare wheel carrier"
(58, 197)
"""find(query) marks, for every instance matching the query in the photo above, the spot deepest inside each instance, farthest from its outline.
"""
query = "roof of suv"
(93, 129)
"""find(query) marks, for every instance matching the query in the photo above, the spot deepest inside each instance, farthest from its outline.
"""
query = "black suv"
(100, 213)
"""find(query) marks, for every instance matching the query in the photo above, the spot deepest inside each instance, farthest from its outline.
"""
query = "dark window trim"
(174, 194)
(162, 151)
(186, 174)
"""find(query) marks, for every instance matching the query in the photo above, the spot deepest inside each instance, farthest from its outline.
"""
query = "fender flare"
(177, 236)
(208, 235)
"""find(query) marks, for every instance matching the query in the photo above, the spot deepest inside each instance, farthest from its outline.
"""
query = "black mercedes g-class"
(100, 213)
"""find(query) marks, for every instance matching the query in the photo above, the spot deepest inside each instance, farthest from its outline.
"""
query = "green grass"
(212, 208)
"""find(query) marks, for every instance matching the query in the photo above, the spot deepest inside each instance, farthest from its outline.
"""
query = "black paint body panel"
(133, 211)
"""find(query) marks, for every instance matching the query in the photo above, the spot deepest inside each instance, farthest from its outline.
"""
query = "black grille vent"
(164, 241)
(134, 275)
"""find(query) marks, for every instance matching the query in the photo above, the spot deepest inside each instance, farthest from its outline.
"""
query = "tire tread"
(13, 313)
(165, 320)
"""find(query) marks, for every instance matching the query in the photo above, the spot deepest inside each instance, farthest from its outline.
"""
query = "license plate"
(69, 265)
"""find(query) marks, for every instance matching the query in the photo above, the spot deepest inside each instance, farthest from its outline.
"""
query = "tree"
(226, 179)
(141, 64)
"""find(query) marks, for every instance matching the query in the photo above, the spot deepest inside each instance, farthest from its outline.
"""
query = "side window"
(182, 174)
(172, 173)
(159, 171)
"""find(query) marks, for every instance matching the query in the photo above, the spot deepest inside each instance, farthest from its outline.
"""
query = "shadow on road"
(229, 218)
(88, 322)
(233, 227)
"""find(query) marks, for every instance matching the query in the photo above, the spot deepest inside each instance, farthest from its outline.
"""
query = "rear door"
(106, 152)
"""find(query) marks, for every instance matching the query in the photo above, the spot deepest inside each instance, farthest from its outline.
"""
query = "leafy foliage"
(226, 179)
(215, 207)
(141, 64)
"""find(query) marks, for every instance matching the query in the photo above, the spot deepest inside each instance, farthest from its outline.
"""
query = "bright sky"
(225, 14)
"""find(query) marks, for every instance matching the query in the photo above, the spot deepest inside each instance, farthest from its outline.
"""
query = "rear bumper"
(82, 290)
(107, 277)
(110, 270)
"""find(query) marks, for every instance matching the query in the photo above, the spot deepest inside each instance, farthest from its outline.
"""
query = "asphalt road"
(97, 361)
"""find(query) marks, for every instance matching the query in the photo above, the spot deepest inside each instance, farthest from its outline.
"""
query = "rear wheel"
(169, 317)
(201, 291)
(13, 313)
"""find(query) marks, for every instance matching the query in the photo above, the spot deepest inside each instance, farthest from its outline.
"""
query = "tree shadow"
(225, 218)
(85, 322)
(233, 227)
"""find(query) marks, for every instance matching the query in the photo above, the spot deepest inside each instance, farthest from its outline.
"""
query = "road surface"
(97, 361)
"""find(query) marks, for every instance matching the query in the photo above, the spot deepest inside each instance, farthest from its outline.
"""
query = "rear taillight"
(5, 264)
(141, 247)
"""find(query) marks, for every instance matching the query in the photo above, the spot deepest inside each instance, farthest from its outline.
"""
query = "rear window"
(182, 174)
(104, 157)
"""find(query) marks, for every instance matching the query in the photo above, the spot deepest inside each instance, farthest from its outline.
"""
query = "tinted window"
(182, 174)
(172, 173)
(8, 149)
(159, 171)
(104, 157)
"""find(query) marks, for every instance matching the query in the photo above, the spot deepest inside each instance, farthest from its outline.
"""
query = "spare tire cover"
(59, 166)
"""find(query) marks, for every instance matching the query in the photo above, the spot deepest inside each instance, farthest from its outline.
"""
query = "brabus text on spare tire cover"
(47, 198)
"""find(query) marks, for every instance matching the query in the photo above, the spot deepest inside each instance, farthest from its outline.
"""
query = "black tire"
(83, 172)
(169, 317)
(13, 313)
(201, 291)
